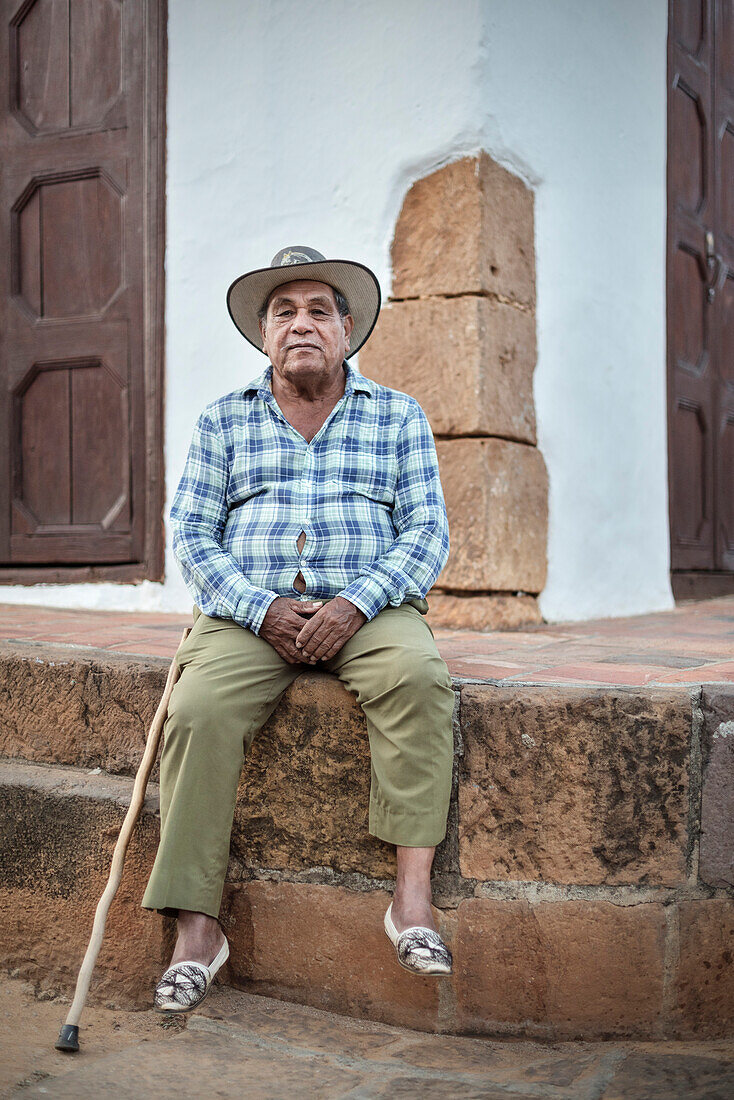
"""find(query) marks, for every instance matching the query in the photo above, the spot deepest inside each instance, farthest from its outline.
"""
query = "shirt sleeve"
(420, 551)
(198, 517)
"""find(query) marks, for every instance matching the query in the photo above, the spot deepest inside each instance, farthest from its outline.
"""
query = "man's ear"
(349, 325)
(261, 324)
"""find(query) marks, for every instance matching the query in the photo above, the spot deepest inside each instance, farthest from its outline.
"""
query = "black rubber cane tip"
(68, 1039)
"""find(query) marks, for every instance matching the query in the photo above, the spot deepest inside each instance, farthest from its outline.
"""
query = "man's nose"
(302, 321)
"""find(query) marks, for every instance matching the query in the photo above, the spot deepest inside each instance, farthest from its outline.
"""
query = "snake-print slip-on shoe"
(185, 984)
(420, 950)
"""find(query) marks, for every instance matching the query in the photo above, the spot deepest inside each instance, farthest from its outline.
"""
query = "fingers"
(282, 627)
(332, 650)
(306, 608)
(284, 647)
(327, 648)
(310, 645)
(295, 624)
(319, 636)
(308, 632)
(316, 647)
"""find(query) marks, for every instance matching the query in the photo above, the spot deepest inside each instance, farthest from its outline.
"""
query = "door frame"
(689, 583)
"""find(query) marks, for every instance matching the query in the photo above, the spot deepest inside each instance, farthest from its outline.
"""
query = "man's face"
(303, 334)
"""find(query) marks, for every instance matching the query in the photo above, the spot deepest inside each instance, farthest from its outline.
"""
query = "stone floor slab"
(662, 1076)
(246, 1047)
(694, 641)
(197, 1065)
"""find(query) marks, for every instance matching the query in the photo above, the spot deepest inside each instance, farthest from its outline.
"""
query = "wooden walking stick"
(68, 1039)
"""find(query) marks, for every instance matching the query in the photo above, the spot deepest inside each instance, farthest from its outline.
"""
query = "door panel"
(81, 215)
(687, 23)
(72, 442)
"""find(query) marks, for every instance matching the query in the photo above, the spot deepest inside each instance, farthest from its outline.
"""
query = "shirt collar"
(355, 382)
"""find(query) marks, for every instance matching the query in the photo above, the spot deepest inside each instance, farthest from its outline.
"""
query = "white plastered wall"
(305, 122)
(574, 96)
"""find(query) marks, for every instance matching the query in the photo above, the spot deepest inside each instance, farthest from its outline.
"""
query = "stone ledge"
(86, 707)
(717, 803)
(557, 784)
(92, 710)
(574, 968)
(704, 985)
(574, 785)
(469, 612)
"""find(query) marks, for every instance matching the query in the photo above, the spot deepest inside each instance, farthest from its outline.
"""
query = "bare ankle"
(199, 937)
(411, 909)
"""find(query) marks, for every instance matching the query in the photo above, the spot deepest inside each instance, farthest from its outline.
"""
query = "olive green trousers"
(230, 683)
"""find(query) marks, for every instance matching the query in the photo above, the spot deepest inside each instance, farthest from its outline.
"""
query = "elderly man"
(309, 524)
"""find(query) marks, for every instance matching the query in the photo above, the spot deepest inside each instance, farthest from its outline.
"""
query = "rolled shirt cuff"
(252, 609)
(366, 594)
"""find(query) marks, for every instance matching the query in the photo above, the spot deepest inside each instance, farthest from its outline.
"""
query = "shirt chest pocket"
(375, 485)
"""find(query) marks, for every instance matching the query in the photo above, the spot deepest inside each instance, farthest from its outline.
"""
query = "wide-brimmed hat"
(249, 292)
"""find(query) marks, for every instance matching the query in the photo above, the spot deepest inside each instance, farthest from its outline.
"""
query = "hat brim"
(356, 282)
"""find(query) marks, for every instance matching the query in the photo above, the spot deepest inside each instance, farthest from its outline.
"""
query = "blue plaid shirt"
(365, 490)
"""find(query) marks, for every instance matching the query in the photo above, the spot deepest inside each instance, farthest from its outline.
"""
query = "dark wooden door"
(81, 230)
(700, 295)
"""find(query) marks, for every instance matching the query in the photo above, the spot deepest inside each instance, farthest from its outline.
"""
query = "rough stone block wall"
(458, 334)
(585, 884)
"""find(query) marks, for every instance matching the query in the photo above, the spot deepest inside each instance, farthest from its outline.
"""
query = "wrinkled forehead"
(308, 289)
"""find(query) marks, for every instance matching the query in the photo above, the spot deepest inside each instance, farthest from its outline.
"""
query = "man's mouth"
(295, 347)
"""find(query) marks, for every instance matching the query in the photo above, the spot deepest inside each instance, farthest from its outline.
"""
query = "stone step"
(560, 961)
(555, 783)
(585, 882)
(304, 792)
(58, 828)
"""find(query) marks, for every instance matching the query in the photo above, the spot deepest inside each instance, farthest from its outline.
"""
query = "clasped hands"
(326, 629)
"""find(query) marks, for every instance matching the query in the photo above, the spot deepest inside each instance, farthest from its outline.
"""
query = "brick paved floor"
(692, 644)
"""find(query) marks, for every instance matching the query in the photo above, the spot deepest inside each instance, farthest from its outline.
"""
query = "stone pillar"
(458, 334)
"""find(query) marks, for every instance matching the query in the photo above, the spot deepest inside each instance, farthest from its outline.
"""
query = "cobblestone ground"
(243, 1046)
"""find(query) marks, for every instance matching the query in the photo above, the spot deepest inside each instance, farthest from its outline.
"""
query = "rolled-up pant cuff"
(419, 830)
(168, 898)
